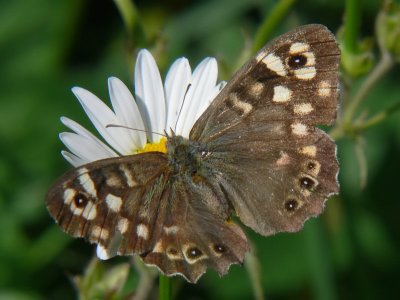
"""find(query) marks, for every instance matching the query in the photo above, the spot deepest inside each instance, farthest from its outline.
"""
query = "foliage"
(46, 47)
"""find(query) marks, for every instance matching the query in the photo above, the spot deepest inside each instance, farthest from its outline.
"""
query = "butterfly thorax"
(185, 156)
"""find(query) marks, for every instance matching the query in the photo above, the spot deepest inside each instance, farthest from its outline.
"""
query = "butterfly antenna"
(180, 110)
(136, 129)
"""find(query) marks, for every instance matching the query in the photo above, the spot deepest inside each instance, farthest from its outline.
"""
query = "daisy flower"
(141, 121)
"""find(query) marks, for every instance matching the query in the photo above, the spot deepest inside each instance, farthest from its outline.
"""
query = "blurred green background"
(47, 47)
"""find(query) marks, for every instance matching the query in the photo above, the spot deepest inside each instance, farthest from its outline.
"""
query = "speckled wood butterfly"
(254, 153)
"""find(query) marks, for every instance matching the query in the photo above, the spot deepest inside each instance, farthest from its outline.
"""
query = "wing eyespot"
(219, 249)
(307, 183)
(172, 251)
(80, 200)
(291, 205)
(297, 61)
(193, 253)
(311, 166)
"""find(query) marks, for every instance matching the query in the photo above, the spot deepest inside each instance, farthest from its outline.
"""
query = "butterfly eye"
(291, 205)
(297, 61)
(80, 200)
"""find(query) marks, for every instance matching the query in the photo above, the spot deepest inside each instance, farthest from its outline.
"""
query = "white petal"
(203, 81)
(80, 130)
(150, 94)
(73, 159)
(213, 93)
(176, 84)
(101, 116)
(83, 147)
(127, 111)
(103, 253)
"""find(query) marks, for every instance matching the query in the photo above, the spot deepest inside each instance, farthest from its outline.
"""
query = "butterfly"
(255, 153)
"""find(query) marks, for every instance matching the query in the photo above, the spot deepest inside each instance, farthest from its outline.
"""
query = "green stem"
(352, 25)
(384, 65)
(165, 288)
(128, 14)
(380, 69)
(253, 267)
(136, 36)
(380, 116)
(362, 161)
(146, 279)
(320, 261)
(279, 11)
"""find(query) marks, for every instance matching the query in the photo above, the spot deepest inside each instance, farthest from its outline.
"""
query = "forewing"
(111, 202)
(293, 78)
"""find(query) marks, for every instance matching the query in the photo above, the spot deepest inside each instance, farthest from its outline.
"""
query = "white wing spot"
(303, 109)
(281, 94)
(324, 89)
(122, 225)
(256, 89)
(310, 151)
(77, 211)
(90, 211)
(310, 59)
(299, 48)
(113, 181)
(99, 233)
(104, 234)
(275, 64)
(305, 73)
(87, 182)
(113, 202)
(299, 129)
(128, 176)
(95, 232)
(82, 171)
(158, 248)
(306, 193)
(243, 106)
(171, 229)
(283, 160)
(142, 231)
(69, 195)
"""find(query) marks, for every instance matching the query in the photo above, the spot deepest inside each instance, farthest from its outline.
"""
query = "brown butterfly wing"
(196, 233)
(132, 205)
(274, 166)
(107, 200)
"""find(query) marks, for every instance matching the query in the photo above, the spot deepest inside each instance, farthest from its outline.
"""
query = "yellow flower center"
(160, 146)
